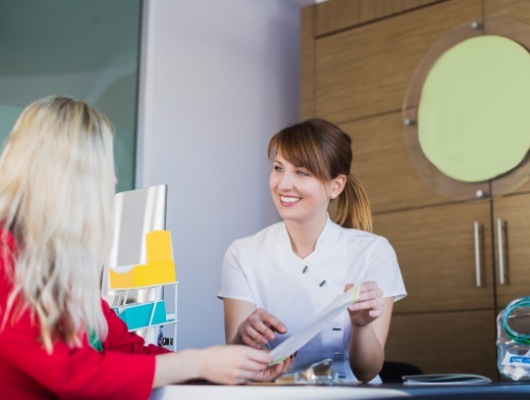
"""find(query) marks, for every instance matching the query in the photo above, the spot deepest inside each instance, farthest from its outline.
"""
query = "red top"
(123, 370)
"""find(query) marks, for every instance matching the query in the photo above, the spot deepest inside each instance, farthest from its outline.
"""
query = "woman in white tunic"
(276, 281)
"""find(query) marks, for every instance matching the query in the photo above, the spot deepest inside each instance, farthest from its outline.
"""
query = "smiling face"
(298, 195)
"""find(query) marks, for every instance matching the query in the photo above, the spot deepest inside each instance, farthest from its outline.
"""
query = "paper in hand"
(318, 323)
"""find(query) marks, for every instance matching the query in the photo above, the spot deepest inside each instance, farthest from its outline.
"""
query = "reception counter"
(491, 391)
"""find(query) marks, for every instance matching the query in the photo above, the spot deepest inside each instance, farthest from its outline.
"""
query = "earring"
(333, 195)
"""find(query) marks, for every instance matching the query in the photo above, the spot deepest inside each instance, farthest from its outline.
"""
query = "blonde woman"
(276, 281)
(57, 338)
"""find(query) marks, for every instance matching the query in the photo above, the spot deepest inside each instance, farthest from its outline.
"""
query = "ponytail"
(352, 208)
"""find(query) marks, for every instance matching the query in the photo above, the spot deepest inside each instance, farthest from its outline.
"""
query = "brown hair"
(326, 151)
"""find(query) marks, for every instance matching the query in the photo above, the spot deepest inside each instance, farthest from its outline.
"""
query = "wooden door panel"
(341, 14)
(517, 9)
(364, 71)
(445, 342)
(514, 213)
(435, 247)
(510, 18)
(307, 69)
(385, 167)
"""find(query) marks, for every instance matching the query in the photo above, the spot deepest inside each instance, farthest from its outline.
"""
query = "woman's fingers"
(233, 364)
(369, 306)
(370, 296)
(260, 327)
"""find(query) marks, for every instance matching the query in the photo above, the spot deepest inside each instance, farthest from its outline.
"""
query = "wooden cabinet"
(443, 268)
(364, 71)
(441, 342)
(447, 321)
(512, 17)
(384, 165)
(512, 247)
(357, 57)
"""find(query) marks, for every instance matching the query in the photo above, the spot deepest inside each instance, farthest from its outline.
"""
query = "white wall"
(218, 79)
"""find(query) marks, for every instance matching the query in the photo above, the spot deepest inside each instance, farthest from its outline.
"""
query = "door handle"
(477, 236)
(500, 250)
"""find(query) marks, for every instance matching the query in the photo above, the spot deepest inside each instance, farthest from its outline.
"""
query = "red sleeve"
(81, 373)
(123, 370)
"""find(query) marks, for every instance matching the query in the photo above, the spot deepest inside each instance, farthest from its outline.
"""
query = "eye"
(303, 173)
(278, 168)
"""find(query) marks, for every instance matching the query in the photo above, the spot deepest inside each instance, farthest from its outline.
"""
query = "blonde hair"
(56, 197)
(326, 151)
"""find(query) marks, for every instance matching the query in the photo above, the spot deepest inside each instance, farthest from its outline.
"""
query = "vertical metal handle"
(500, 249)
(478, 274)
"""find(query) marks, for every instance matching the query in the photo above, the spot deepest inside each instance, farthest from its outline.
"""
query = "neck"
(304, 236)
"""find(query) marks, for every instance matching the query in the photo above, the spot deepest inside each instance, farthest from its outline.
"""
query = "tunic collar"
(329, 234)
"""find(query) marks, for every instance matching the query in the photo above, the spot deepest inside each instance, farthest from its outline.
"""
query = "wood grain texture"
(307, 63)
(341, 14)
(511, 19)
(436, 252)
(361, 55)
(514, 212)
(365, 71)
(517, 9)
(384, 165)
(445, 342)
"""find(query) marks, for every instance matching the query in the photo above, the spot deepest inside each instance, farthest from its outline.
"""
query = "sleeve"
(234, 282)
(81, 373)
(384, 269)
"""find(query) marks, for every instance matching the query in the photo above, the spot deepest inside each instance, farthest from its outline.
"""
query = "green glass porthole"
(473, 116)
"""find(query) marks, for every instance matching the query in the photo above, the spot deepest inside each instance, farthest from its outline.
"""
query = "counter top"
(491, 391)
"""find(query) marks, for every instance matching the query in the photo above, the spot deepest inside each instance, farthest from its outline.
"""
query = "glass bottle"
(513, 340)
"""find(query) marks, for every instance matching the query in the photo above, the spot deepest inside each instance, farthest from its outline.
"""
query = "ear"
(337, 185)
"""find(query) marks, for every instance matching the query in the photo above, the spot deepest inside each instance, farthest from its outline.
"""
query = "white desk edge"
(269, 392)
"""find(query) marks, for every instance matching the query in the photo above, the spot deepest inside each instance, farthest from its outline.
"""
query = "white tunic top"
(262, 269)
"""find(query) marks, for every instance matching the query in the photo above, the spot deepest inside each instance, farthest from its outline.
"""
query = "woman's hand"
(274, 371)
(228, 365)
(259, 328)
(370, 305)
(236, 364)
(233, 364)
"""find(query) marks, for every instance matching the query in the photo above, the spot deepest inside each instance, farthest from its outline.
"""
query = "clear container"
(513, 340)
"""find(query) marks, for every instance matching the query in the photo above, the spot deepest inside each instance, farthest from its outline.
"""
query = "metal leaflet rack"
(150, 332)
(140, 214)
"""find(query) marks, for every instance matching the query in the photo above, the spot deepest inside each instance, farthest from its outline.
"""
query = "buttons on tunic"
(306, 268)
(338, 355)
(337, 328)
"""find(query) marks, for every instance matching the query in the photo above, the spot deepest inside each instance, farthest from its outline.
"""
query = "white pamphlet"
(318, 323)
(444, 379)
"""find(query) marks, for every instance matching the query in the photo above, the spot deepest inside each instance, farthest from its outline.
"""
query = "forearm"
(367, 354)
(235, 312)
(229, 365)
(176, 367)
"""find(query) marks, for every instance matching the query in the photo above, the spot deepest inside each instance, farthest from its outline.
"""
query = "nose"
(286, 181)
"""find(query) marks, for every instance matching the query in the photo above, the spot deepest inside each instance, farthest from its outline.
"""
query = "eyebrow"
(296, 166)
